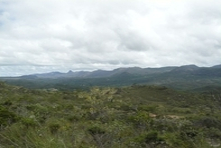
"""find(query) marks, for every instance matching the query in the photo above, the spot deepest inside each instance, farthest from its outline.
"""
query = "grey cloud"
(90, 35)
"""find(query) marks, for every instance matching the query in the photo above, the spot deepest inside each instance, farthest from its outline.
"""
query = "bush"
(150, 139)
(95, 130)
(7, 117)
(208, 122)
(29, 122)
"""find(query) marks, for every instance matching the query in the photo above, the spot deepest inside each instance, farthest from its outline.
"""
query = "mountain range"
(187, 77)
(101, 73)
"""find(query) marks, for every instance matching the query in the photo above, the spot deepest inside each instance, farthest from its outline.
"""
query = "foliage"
(107, 117)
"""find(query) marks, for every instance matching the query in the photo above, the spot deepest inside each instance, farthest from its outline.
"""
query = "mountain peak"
(217, 66)
(186, 68)
(189, 66)
(70, 71)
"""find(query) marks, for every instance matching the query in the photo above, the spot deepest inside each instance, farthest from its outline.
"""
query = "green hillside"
(107, 117)
(187, 77)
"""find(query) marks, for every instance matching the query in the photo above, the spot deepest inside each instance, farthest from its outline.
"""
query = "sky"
(38, 36)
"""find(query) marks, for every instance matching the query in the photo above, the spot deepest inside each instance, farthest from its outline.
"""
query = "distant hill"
(185, 69)
(100, 73)
(187, 77)
(217, 66)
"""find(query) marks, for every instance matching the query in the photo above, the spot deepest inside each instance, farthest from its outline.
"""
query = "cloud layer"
(53, 35)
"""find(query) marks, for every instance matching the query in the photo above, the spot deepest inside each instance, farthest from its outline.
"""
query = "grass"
(105, 117)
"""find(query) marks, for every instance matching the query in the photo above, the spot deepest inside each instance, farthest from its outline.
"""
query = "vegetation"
(106, 117)
(189, 77)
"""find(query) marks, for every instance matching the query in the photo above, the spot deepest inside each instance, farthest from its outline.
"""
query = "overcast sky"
(59, 35)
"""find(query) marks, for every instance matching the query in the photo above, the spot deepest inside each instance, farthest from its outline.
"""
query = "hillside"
(187, 77)
(100, 73)
(136, 116)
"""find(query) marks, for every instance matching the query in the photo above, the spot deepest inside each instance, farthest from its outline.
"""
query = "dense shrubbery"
(137, 116)
(7, 117)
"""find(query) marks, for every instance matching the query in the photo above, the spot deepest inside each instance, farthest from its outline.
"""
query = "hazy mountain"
(184, 77)
(217, 66)
(185, 69)
(61, 75)
(47, 75)
(101, 73)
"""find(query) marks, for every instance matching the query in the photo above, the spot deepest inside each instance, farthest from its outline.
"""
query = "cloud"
(88, 35)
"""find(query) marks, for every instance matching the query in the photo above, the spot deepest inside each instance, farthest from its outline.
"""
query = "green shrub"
(150, 139)
(29, 122)
(208, 122)
(54, 127)
(7, 117)
(7, 103)
(96, 130)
